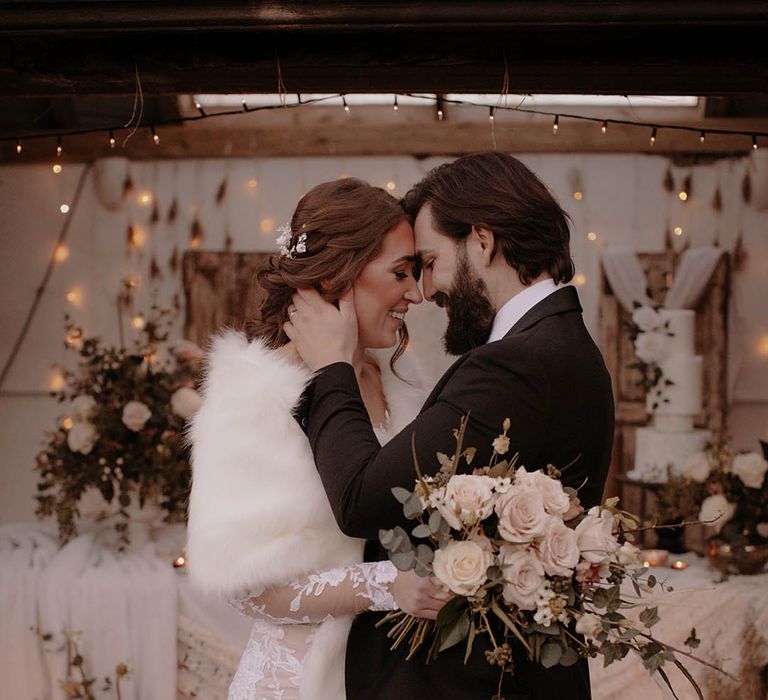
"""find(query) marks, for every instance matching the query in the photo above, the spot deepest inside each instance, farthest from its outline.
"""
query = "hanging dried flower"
(173, 210)
(669, 181)
(155, 214)
(228, 243)
(196, 233)
(127, 185)
(717, 200)
(739, 254)
(173, 262)
(746, 188)
(222, 191)
(154, 269)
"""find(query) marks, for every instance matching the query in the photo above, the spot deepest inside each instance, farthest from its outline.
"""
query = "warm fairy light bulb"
(344, 102)
(138, 322)
(155, 137)
(682, 195)
(131, 281)
(578, 196)
(491, 113)
(145, 198)
(75, 296)
(267, 224)
(112, 141)
(702, 137)
(678, 230)
(391, 185)
(179, 562)
(74, 337)
(556, 124)
(195, 242)
(754, 143)
(652, 140)
(138, 236)
(440, 115)
(762, 346)
(64, 208)
(56, 168)
(579, 279)
(395, 106)
(67, 423)
(245, 106)
(61, 253)
(18, 146)
(56, 382)
(253, 183)
(604, 127)
(592, 236)
(59, 147)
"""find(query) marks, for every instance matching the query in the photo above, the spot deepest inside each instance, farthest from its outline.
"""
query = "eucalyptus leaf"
(401, 494)
(570, 657)
(421, 530)
(551, 654)
(412, 508)
(404, 561)
(435, 520)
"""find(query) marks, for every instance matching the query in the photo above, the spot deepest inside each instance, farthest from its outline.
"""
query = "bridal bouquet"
(121, 432)
(527, 565)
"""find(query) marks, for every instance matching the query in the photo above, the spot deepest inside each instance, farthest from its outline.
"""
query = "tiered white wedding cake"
(661, 450)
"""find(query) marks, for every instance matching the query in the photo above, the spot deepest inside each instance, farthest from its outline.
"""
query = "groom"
(494, 246)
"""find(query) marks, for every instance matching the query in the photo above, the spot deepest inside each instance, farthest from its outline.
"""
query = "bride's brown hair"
(345, 221)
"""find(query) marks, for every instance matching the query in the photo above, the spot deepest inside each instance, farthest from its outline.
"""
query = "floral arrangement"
(122, 430)
(728, 491)
(649, 333)
(526, 564)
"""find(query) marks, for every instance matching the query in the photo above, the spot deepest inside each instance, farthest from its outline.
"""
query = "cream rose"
(185, 402)
(647, 319)
(461, 566)
(82, 437)
(559, 549)
(82, 406)
(716, 508)
(595, 536)
(629, 554)
(501, 445)
(651, 346)
(697, 467)
(467, 499)
(750, 468)
(522, 516)
(524, 576)
(589, 625)
(556, 500)
(135, 415)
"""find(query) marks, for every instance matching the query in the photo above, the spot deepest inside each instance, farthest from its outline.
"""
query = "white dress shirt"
(519, 305)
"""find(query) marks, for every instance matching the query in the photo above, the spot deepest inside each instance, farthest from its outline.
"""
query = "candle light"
(179, 562)
(655, 557)
(679, 564)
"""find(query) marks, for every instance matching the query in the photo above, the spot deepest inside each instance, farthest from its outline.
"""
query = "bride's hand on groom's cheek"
(418, 595)
(322, 333)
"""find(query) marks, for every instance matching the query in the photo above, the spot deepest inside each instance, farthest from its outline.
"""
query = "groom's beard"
(470, 312)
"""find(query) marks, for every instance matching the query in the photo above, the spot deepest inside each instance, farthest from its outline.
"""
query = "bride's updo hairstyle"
(345, 222)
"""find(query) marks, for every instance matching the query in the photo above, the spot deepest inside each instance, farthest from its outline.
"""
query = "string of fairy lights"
(653, 129)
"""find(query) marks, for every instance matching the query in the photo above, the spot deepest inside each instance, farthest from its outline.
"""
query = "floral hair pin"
(284, 238)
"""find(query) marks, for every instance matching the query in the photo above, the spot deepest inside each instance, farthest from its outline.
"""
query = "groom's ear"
(484, 241)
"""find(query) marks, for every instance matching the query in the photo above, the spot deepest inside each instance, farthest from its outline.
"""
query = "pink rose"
(556, 501)
(595, 535)
(559, 550)
(522, 516)
(467, 499)
(461, 566)
(524, 576)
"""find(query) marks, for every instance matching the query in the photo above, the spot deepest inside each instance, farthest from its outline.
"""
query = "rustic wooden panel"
(220, 290)
(711, 343)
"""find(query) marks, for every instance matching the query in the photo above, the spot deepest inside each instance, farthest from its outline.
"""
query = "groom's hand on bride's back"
(418, 595)
(322, 333)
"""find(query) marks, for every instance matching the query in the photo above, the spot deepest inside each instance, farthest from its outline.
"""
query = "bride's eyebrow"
(406, 259)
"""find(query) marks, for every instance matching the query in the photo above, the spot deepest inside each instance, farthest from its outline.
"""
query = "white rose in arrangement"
(82, 437)
(501, 445)
(185, 402)
(135, 415)
(629, 554)
(647, 319)
(697, 467)
(524, 576)
(716, 508)
(750, 468)
(595, 535)
(467, 499)
(651, 347)
(556, 500)
(461, 566)
(589, 625)
(559, 549)
(522, 516)
(82, 406)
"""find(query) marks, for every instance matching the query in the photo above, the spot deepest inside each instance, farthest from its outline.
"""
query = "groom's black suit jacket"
(549, 378)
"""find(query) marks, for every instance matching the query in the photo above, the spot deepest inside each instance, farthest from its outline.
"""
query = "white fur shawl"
(258, 514)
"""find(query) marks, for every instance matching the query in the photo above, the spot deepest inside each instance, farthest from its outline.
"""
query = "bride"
(261, 532)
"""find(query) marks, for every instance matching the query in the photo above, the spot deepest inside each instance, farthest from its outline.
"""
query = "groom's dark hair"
(497, 192)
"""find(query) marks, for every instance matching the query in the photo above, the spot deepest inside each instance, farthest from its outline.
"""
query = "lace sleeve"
(313, 598)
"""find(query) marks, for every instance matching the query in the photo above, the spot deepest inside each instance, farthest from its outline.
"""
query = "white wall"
(624, 203)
